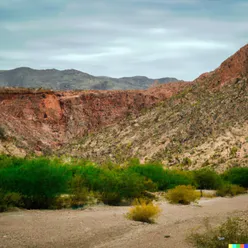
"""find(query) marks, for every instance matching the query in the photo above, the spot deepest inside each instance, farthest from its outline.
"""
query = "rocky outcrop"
(43, 120)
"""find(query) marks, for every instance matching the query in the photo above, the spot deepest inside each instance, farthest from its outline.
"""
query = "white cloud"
(124, 38)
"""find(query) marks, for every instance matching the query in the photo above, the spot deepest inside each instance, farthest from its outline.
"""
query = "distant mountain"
(72, 80)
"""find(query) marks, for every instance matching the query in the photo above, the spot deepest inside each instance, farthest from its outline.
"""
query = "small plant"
(183, 195)
(186, 161)
(9, 199)
(230, 190)
(233, 231)
(144, 211)
(233, 151)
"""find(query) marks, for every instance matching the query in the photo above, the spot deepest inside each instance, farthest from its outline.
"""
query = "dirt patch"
(106, 227)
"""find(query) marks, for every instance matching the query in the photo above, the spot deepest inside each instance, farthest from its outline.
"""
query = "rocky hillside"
(72, 80)
(43, 121)
(203, 123)
(206, 124)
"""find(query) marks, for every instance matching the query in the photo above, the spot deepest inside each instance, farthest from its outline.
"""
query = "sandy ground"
(106, 227)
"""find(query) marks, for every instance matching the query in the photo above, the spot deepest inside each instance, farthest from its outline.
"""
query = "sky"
(153, 38)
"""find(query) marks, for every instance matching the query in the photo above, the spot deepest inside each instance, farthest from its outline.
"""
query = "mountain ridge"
(71, 79)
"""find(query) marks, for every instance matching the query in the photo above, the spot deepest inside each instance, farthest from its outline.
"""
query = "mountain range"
(190, 124)
(72, 80)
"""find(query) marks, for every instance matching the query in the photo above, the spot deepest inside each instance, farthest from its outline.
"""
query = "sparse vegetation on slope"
(202, 125)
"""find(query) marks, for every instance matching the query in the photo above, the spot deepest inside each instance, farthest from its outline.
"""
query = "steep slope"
(204, 125)
(71, 80)
(231, 70)
(45, 120)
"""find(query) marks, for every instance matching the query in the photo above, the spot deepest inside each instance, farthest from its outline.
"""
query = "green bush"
(230, 190)
(7, 161)
(90, 174)
(113, 185)
(182, 195)
(165, 179)
(237, 176)
(233, 231)
(207, 179)
(117, 185)
(39, 181)
(154, 172)
(178, 177)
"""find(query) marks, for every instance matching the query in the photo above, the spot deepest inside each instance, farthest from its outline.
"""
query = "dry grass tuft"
(144, 211)
(182, 194)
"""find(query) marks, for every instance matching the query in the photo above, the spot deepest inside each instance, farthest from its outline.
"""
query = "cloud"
(155, 38)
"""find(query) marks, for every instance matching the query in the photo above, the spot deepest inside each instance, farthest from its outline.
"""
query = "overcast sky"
(154, 38)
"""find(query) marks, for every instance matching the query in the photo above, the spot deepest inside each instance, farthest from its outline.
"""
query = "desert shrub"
(112, 183)
(39, 181)
(9, 199)
(143, 211)
(182, 194)
(90, 175)
(233, 151)
(178, 177)
(117, 185)
(230, 190)
(207, 179)
(10, 161)
(154, 172)
(132, 185)
(237, 176)
(110, 198)
(233, 231)
(165, 179)
(79, 193)
(186, 161)
(62, 201)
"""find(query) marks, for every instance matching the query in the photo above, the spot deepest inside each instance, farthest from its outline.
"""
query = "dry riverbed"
(106, 227)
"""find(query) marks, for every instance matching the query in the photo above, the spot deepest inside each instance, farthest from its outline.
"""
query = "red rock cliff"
(47, 119)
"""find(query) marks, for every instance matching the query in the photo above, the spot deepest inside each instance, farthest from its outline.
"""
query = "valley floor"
(106, 227)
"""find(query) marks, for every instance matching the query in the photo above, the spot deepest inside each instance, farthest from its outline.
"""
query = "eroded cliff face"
(40, 121)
